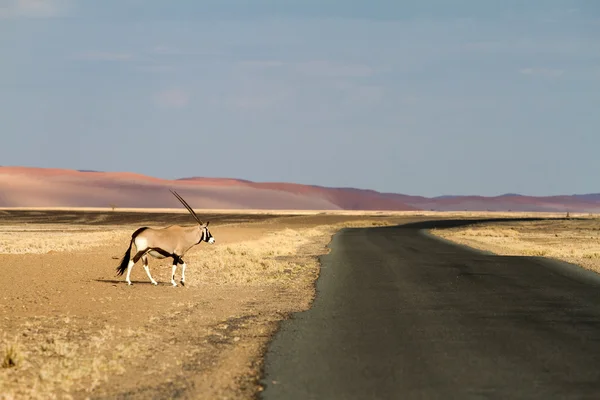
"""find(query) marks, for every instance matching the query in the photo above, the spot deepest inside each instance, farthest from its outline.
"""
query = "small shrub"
(12, 356)
(536, 252)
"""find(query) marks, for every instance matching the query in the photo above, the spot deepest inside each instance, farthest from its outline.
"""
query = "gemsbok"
(173, 241)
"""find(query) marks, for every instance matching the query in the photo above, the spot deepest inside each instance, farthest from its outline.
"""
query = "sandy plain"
(71, 329)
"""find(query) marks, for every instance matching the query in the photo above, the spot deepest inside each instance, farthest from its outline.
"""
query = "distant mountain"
(40, 187)
(589, 197)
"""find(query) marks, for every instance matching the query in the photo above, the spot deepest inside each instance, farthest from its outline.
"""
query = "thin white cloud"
(334, 69)
(159, 49)
(163, 50)
(33, 8)
(544, 72)
(157, 68)
(361, 95)
(105, 56)
(563, 46)
(172, 98)
(257, 102)
(250, 94)
(483, 45)
(261, 64)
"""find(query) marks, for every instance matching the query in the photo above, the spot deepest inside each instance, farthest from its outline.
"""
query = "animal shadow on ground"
(118, 282)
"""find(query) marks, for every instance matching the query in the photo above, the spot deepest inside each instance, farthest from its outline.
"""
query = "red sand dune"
(47, 187)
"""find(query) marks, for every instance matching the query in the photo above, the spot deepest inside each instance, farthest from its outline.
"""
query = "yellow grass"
(41, 240)
(11, 354)
(58, 361)
(574, 241)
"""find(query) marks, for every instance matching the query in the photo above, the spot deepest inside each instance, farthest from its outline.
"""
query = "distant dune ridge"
(48, 187)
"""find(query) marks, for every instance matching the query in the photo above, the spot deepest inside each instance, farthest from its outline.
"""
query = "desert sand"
(69, 328)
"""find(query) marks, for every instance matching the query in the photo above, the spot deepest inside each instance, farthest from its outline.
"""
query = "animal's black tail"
(125, 260)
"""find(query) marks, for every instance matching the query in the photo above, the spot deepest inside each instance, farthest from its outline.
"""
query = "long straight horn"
(186, 205)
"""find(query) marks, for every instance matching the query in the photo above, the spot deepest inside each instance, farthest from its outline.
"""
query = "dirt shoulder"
(74, 330)
(576, 241)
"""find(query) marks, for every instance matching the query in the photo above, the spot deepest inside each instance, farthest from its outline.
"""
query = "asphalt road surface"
(402, 315)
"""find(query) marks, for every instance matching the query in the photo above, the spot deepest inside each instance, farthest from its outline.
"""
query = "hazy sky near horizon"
(417, 97)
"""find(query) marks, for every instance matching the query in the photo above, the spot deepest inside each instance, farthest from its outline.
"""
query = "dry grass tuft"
(61, 360)
(45, 240)
(271, 259)
(493, 232)
(13, 355)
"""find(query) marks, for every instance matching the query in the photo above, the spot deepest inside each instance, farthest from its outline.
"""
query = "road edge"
(568, 270)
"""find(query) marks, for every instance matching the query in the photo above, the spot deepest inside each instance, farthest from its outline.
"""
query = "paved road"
(400, 315)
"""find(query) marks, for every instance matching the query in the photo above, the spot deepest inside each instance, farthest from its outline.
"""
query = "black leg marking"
(138, 256)
(176, 260)
(181, 262)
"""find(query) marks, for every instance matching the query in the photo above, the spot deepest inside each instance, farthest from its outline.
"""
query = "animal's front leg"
(183, 273)
(173, 273)
(176, 260)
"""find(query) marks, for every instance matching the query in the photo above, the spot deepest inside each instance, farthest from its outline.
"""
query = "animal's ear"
(207, 222)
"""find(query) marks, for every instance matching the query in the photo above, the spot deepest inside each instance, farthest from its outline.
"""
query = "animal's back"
(169, 236)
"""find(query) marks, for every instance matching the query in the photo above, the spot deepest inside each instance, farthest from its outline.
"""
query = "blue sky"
(426, 98)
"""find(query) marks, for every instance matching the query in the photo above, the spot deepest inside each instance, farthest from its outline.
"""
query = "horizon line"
(507, 194)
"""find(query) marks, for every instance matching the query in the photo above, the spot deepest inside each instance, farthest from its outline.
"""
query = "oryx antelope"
(173, 241)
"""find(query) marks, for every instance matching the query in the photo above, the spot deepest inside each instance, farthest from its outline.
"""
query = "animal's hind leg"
(135, 259)
(182, 271)
(145, 260)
